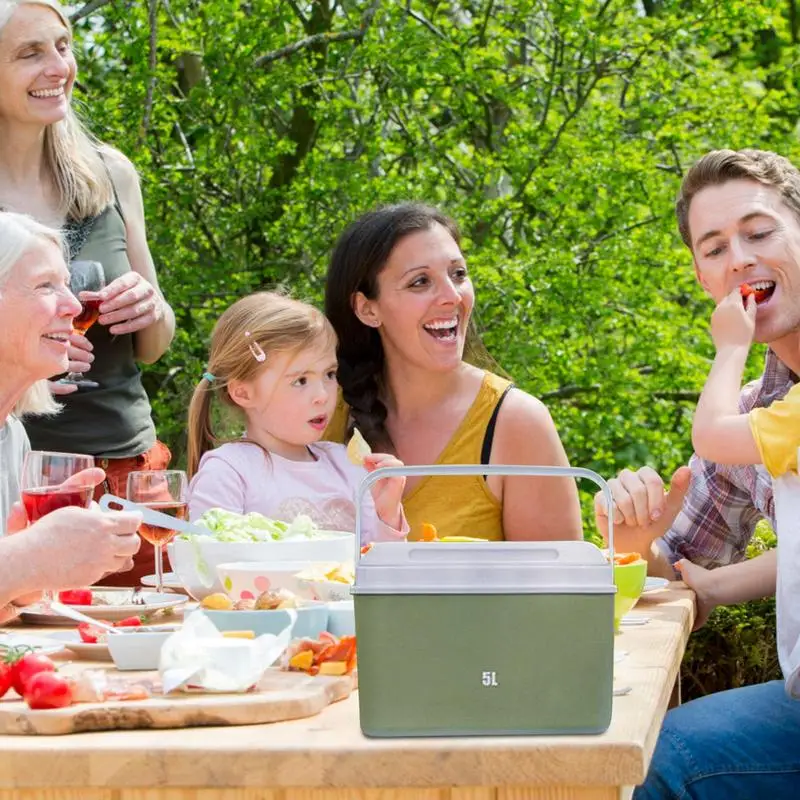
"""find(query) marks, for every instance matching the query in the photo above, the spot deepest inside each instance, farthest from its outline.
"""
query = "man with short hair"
(739, 214)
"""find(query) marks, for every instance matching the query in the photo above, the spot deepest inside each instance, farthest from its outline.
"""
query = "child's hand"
(701, 581)
(733, 323)
(388, 492)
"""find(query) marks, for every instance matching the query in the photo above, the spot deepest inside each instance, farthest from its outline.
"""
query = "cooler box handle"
(485, 469)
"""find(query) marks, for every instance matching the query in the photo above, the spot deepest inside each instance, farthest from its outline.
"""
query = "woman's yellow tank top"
(459, 505)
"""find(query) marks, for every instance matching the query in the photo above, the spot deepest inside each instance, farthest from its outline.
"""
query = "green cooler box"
(482, 638)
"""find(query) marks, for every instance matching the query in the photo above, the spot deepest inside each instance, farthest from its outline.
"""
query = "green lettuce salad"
(228, 526)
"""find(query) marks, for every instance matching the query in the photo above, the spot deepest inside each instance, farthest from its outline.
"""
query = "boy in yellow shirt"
(768, 436)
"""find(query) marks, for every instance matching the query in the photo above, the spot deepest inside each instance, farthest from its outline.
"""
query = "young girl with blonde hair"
(274, 360)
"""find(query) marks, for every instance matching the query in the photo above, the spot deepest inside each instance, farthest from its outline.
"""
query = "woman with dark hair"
(400, 299)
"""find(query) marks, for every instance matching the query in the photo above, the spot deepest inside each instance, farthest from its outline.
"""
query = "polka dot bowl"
(242, 580)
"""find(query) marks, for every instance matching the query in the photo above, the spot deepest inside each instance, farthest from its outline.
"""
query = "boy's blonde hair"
(71, 155)
(19, 235)
(263, 323)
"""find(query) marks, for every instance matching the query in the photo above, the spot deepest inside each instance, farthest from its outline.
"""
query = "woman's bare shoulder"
(524, 427)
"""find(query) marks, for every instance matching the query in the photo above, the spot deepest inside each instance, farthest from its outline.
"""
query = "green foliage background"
(555, 131)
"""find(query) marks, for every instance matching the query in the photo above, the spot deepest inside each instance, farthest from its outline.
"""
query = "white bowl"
(324, 590)
(342, 618)
(246, 580)
(136, 649)
(183, 556)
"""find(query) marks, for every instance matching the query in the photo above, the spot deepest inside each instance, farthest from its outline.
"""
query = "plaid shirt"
(724, 503)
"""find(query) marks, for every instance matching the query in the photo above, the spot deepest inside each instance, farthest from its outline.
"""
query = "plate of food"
(107, 604)
(72, 641)
(41, 644)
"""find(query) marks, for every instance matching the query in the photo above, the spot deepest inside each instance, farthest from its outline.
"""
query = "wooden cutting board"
(280, 696)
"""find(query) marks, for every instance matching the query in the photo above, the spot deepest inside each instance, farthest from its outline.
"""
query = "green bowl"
(629, 579)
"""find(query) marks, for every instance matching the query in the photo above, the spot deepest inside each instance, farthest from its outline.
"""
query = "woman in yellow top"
(400, 299)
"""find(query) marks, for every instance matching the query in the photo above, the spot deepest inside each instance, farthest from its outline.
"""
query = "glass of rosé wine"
(161, 490)
(51, 481)
(86, 279)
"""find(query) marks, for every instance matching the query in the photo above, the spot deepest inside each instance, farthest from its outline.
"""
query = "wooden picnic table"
(327, 758)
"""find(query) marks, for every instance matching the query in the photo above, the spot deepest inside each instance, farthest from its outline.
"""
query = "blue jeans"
(743, 744)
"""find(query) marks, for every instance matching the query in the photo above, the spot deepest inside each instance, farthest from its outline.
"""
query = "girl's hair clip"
(255, 348)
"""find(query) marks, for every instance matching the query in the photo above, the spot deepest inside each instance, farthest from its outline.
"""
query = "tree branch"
(423, 21)
(326, 37)
(88, 9)
(152, 18)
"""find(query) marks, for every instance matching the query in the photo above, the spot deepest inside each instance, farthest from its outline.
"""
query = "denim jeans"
(743, 744)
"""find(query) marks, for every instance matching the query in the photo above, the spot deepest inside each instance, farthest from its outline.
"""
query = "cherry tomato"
(75, 597)
(23, 669)
(48, 690)
(6, 677)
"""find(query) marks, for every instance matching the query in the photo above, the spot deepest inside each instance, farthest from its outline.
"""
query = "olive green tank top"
(114, 420)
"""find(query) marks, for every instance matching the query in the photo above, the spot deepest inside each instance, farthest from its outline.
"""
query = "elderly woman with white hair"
(53, 170)
(71, 546)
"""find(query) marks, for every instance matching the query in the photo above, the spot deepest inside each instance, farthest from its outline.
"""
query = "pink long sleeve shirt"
(241, 477)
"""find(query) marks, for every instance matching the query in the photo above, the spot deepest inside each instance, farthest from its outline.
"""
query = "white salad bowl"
(191, 560)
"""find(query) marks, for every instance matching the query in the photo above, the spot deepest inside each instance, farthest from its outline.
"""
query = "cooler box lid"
(484, 568)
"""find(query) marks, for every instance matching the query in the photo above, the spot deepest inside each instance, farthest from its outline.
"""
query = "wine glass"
(87, 278)
(161, 490)
(51, 481)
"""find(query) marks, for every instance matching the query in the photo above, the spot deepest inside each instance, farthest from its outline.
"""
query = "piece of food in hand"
(760, 294)
(217, 602)
(75, 597)
(357, 448)
(48, 690)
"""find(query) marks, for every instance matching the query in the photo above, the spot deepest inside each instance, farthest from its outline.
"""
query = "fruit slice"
(357, 448)
(461, 539)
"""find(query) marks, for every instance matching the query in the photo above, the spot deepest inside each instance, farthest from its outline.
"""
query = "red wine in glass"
(39, 502)
(51, 481)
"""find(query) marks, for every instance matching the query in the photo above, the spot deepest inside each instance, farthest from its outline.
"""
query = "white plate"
(119, 607)
(171, 581)
(72, 641)
(654, 584)
(41, 644)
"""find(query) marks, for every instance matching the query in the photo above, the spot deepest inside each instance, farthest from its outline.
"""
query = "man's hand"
(643, 510)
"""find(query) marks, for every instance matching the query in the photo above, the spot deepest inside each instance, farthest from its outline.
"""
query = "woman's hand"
(387, 493)
(80, 360)
(129, 304)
